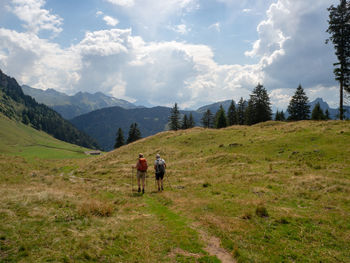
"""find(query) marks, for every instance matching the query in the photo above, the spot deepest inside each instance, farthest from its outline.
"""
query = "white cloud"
(150, 15)
(125, 3)
(290, 49)
(35, 17)
(99, 13)
(110, 21)
(38, 62)
(216, 26)
(247, 10)
(181, 29)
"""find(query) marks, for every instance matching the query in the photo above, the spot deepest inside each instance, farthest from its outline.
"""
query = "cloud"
(289, 49)
(125, 3)
(150, 15)
(215, 26)
(247, 10)
(35, 17)
(38, 62)
(99, 13)
(181, 29)
(110, 21)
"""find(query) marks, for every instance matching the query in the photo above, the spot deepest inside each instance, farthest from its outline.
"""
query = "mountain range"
(78, 104)
(104, 114)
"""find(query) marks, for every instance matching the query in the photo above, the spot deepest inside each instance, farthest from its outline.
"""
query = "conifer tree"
(207, 119)
(277, 116)
(134, 133)
(191, 122)
(260, 105)
(317, 113)
(339, 29)
(220, 118)
(249, 113)
(298, 108)
(327, 115)
(232, 114)
(175, 118)
(280, 116)
(185, 123)
(119, 141)
(241, 111)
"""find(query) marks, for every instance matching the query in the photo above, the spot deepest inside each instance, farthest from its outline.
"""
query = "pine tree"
(191, 122)
(232, 114)
(119, 141)
(220, 118)
(260, 105)
(249, 113)
(298, 108)
(175, 118)
(185, 124)
(207, 119)
(339, 29)
(277, 116)
(134, 133)
(317, 113)
(327, 115)
(241, 111)
(280, 116)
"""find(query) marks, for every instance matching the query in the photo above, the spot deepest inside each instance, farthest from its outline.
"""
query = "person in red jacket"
(141, 167)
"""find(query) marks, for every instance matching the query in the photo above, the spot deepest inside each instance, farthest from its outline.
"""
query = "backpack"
(143, 165)
(160, 166)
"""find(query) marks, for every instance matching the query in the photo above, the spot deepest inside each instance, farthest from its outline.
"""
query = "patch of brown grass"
(95, 208)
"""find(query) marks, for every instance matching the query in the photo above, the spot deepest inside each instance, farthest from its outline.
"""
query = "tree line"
(256, 109)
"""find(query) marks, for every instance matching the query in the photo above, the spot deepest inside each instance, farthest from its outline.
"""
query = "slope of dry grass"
(297, 174)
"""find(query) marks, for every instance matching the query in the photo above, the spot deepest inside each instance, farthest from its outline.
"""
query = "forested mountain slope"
(16, 105)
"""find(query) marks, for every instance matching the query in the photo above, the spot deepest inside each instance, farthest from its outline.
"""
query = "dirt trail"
(214, 246)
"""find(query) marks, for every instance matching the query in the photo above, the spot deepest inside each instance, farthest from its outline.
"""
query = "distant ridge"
(103, 124)
(17, 106)
(72, 106)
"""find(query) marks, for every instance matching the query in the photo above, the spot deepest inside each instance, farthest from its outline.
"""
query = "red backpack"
(142, 165)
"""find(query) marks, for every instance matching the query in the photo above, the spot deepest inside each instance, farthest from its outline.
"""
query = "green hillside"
(22, 140)
(17, 106)
(273, 192)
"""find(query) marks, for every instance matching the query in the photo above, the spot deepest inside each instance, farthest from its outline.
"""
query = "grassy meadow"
(272, 192)
(21, 140)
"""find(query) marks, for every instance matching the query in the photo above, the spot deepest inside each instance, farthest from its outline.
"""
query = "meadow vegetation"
(272, 192)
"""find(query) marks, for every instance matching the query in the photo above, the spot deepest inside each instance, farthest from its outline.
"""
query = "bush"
(261, 211)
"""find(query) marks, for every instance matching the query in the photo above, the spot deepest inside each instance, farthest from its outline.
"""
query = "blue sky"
(159, 52)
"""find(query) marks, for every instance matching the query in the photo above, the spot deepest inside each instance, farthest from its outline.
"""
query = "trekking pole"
(132, 180)
(155, 183)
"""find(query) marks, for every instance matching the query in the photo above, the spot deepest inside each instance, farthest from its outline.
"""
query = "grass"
(273, 192)
(21, 140)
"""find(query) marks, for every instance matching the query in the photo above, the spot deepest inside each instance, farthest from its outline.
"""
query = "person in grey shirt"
(159, 168)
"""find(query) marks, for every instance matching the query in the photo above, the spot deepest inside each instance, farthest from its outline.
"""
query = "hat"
(140, 155)
(157, 156)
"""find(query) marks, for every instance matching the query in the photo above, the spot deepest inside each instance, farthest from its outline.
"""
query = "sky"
(152, 52)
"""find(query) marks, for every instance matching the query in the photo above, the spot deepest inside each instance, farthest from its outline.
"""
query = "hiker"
(159, 168)
(141, 167)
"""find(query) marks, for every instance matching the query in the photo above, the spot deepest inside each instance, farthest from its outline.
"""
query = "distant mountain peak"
(80, 103)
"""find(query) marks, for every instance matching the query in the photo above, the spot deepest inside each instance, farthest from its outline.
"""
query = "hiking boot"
(162, 188)
(139, 190)
(143, 190)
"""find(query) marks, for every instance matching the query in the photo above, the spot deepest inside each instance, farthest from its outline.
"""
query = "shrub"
(261, 211)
